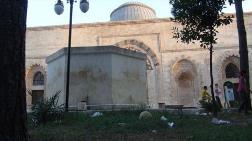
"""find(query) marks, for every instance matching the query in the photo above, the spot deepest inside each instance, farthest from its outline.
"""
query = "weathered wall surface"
(128, 80)
(90, 78)
(157, 35)
(100, 75)
(57, 80)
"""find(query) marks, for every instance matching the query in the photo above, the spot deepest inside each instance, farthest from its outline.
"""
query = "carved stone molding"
(138, 46)
(223, 59)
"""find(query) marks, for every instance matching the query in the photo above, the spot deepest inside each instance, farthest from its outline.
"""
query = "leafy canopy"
(232, 1)
(199, 20)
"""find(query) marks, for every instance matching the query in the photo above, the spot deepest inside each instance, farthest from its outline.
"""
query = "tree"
(242, 35)
(12, 70)
(200, 20)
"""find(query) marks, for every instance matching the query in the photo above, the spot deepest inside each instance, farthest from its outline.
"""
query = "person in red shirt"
(243, 91)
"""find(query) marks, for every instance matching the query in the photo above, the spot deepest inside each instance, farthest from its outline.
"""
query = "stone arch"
(185, 76)
(228, 63)
(30, 72)
(135, 45)
(34, 92)
(230, 60)
(183, 66)
(232, 70)
(153, 70)
(183, 57)
(222, 60)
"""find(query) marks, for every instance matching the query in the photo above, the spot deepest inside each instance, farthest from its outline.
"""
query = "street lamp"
(59, 9)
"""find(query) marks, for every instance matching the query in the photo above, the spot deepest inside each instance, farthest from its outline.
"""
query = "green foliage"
(232, 1)
(199, 20)
(47, 110)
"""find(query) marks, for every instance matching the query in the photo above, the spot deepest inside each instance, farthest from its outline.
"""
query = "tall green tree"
(242, 35)
(200, 20)
(12, 70)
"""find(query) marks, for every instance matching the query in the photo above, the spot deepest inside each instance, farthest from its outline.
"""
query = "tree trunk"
(212, 81)
(243, 48)
(12, 70)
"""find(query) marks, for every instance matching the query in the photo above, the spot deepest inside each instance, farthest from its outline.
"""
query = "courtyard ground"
(126, 126)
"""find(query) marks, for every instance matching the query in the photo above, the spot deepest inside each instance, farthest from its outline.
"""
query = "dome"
(132, 11)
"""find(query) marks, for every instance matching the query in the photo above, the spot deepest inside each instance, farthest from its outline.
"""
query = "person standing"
(243, 92)
(217, 93)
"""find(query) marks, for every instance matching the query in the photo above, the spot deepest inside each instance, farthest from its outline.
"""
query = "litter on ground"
(96, 114)
(171, 124)
(219, 121)
(163, 118)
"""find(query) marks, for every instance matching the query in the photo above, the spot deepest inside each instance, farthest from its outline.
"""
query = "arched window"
(232, 71)
(38, 79)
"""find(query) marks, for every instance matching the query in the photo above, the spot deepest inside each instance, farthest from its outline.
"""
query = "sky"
(41, 12)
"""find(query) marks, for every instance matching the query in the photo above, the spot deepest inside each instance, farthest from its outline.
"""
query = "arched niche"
(230, 69)
(230, 72)
(35, 84)
(186, 86)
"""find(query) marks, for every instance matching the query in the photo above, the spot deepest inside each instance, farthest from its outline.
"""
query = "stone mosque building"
(175, 72)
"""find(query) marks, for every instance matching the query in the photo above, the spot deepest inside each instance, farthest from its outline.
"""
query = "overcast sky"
(41, 12)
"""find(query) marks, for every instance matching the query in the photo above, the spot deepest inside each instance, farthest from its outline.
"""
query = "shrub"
(145, 115)
(47, 110)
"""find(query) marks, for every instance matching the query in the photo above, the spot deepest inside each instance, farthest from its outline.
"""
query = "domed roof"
(132, 11)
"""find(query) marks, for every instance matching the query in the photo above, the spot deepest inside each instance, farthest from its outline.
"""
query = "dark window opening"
(232, 71)
(38, 79)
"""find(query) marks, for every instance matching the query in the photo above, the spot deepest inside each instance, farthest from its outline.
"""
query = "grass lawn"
(125, 126)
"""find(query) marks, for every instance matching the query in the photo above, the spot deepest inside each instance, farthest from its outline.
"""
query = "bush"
(47, 110)
(145, 115)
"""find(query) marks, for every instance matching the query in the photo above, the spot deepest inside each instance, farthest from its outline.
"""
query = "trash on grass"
(122, 124)
(219, 121)
(163, 118)
(154, 131)
(171, 124)
(96, 114)
(203, 114)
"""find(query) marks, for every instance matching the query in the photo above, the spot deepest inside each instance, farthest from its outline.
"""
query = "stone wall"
(154, 38)
(99, 75)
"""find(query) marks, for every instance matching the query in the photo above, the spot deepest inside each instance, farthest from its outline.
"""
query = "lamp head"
(59, 7)
(84, 6)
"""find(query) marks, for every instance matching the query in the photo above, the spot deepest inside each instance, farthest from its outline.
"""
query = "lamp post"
(59, 9)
